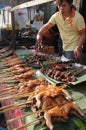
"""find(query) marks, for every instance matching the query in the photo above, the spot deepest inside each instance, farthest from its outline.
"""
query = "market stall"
(39, 90)
(23, 78)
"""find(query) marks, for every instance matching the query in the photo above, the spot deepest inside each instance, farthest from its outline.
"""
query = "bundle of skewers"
(6, 51)
(12, 70)
(48, 102)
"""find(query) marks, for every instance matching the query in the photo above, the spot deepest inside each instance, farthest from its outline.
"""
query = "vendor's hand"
(77, 53)
(39, 39)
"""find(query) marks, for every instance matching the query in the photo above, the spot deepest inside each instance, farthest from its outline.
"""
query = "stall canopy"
(17, 4)
(30, 4)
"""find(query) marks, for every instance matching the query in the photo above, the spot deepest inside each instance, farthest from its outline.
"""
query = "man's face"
(63, 7)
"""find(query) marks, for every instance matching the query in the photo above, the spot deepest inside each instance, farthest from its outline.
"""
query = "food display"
(41, 96)
(65, 73)
(54, 106)
(61, 72)
(36, 60)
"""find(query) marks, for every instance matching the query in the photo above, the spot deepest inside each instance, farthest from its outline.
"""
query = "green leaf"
(80, 79)
(79, 123)
(40, 74)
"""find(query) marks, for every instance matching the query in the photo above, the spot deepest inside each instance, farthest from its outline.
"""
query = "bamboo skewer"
(17, 96)
(29, 114)
(13, 106)
(33, 122)
(7, 92)
(4, 65)
(7, 75)
(29, 124)
(8, 81)
(2, 72)
(7, 88)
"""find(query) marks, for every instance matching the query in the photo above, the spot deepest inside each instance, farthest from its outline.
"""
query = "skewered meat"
(11, 57)
(23, 75)
(56, 106)
(16, 67)
(7, 53)
(15, 63)
(30, 85)
(36, 59)
(21, 70)
(4, 49)
(12, 60)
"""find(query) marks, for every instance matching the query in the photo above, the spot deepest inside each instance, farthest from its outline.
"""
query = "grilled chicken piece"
(12, 59)
(61, 113)
(56, 106)
(30, 85)
(51, 91)
(16, 67)
(15, 63)
(24, 75)
(21, 70)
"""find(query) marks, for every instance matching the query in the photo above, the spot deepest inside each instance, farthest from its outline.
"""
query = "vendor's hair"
(68, 1)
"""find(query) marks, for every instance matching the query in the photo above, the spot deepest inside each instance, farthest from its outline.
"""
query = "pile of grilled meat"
(51, 103)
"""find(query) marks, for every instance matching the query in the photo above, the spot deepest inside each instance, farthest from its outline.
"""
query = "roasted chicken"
(55, 105)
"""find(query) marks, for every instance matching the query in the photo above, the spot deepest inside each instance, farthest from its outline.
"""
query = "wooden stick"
(9, 81)
(7, 75)
(7, 88)
(7, 92)
(17, 96)
(29, 114)
(12, 107)
(29, 124)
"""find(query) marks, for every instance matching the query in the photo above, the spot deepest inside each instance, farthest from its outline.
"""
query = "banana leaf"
(80, 79)
(40, 74)
(72, 124)
(79, 123)
(78, 71)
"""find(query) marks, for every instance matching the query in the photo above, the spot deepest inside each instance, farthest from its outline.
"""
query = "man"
(71, 26)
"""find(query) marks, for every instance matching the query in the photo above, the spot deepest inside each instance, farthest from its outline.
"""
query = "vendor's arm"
(42, 31)
(80, 44)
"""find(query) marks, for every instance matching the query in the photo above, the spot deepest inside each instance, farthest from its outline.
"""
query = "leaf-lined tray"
(78, 73)
(36, 60)
(80, 79)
